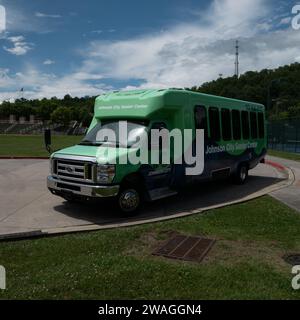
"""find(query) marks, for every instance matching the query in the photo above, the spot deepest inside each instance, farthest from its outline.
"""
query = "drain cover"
(293, 259)
(185, 248)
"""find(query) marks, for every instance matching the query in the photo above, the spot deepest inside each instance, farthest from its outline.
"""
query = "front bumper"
(60, 187)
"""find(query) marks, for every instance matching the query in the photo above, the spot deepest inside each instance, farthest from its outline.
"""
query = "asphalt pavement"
(28, 208)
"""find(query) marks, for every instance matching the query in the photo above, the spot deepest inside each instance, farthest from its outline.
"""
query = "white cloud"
(48, 62)
(39, 85)
(97, 31)
(19, 45)
(45, 15)
(20, 19)
(191, 54)
(286, 20)
(183, 56)
(5, 80)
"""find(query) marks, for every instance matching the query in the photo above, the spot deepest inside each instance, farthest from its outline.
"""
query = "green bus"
(234, 141)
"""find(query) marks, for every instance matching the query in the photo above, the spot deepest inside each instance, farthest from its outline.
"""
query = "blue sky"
(52, 48)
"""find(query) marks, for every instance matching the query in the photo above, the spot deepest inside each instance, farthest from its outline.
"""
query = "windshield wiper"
(90, 143)
(100, 143)
(115, 143)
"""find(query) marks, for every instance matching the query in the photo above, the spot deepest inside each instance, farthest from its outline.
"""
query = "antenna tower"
(236, 63)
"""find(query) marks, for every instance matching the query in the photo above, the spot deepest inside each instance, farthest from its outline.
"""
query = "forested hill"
(57, 110)
(282, 83)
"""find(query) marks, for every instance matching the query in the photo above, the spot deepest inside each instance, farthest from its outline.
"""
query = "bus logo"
(70, 169)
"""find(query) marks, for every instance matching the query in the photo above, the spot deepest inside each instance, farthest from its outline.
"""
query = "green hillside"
(282, 85)
(278, 89)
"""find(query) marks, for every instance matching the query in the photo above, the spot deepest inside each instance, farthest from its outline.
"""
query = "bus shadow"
(191, 199)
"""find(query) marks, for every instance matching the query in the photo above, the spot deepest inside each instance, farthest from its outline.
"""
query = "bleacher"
(4, 126)
(38, 128)
(33, 129)
(15, 129)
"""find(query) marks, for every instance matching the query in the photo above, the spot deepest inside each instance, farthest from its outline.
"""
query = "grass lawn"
(32, 145)
(286, 155)
(245, 262)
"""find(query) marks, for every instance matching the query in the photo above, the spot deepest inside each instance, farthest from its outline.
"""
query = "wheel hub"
(129, 200)
(243, 173)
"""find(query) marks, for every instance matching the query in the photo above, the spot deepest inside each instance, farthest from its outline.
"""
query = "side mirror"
(47, 139)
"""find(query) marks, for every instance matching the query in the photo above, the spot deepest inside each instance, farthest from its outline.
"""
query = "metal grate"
(185, 248)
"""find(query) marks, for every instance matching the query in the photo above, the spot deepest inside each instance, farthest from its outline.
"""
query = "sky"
(53, 48)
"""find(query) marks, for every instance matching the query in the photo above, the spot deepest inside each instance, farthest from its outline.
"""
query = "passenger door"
(160, 172)
(200, 115)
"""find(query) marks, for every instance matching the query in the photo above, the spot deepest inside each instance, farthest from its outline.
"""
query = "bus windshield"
(108, 133)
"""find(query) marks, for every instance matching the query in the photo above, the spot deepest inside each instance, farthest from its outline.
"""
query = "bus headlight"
(105, 173)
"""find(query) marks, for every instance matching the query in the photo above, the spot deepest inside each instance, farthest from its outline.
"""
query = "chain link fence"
(284, 135)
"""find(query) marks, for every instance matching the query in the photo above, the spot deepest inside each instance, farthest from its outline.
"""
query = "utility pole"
(236, 59)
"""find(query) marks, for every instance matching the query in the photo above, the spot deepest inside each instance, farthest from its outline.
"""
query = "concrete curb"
(95, 227)
(275, 165)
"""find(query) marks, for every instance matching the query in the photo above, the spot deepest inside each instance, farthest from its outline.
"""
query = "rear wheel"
(241, 174)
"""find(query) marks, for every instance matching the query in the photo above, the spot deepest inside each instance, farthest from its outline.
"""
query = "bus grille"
(73, 170)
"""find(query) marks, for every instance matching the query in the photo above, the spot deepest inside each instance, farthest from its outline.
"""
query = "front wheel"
(241, 174)
(129, 200)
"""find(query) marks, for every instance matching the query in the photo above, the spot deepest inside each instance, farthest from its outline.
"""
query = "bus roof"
(152, 93)
(143, 102)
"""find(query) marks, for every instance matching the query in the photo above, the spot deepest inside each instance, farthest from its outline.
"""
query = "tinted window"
(157, 126)
(226, 124)
(96, 135)
(261, 125)
(200, 119)
(245, 124)
(253, 122)
(214, 124)
(236, 125)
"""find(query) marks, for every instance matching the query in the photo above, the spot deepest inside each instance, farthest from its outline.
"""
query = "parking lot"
(28, 207)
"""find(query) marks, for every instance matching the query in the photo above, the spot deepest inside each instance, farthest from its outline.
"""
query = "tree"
(282, 83)
(45, 109)
(294, 111)
(61, 115)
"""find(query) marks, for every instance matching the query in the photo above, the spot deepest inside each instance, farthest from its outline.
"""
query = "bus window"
(236, 125)
(253, 122)
(200, 119)
(261, 125)
(214, 124)
(245, 125)
(226, 124)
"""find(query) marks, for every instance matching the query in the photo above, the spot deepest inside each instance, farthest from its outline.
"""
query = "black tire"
(241, 175)
(129, 201)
